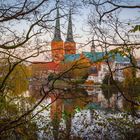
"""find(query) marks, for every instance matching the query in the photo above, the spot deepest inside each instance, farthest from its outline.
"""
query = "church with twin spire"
(60, 48)
(65, 52)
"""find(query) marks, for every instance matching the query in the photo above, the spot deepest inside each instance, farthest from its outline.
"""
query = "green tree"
(18, 81)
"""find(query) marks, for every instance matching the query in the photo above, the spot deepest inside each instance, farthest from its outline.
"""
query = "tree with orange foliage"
(131, 87)
(77, 70)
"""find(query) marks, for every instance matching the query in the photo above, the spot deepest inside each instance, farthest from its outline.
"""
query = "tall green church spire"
(57, 34)
(69, 31)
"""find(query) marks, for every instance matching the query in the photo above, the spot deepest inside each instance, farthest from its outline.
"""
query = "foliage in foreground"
(90, 125)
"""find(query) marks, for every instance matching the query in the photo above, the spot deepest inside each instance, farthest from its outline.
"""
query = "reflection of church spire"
(57, 34)
(92, 46)
(69, 32)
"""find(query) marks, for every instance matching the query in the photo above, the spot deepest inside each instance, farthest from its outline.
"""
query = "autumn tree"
(110, 31)
(23, 25)
(131, 89)
(78, 70)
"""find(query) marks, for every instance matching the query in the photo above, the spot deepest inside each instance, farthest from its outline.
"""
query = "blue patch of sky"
(80, 27)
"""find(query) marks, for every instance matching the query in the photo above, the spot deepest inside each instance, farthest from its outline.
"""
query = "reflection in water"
(85, 98)
(105, 100)
(72, 100)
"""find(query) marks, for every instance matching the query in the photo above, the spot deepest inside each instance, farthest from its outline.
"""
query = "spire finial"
(70, 31)
(57, 34)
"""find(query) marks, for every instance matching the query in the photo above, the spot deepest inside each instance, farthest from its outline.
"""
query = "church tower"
(70, 45)
(57, 43)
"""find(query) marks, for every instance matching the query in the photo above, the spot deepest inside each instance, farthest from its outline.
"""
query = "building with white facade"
(117, 69)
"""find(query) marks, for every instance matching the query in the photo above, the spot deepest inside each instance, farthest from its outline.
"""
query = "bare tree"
(106, 7)
(23, 25)
(112, 34)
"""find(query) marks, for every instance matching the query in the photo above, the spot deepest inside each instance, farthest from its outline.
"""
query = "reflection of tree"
(108, 88)
(73, 100)
(55, 124)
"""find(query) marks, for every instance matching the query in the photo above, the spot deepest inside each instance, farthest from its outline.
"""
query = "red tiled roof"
(49, 65)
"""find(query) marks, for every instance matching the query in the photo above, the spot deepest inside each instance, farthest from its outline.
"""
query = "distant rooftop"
(98, 56)
(48, 65)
